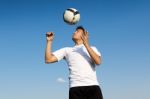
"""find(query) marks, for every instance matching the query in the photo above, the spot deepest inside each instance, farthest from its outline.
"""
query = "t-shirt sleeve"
(96, 50)
(60, 54)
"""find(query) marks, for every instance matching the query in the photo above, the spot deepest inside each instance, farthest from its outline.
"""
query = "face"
(77, 34)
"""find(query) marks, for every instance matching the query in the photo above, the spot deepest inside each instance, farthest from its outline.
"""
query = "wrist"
(86, 44)
(49, 41)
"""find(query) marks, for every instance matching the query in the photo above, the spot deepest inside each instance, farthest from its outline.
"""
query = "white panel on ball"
(71, 16)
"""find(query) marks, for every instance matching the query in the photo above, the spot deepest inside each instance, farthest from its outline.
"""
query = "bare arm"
(49, 57)
(96, 58)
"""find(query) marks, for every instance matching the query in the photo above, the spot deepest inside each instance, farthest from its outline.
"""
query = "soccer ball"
(71, 16)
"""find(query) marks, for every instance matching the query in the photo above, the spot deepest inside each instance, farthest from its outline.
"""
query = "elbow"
(98, 62)
(47, 61)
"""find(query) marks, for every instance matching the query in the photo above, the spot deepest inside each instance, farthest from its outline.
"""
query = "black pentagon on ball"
(75, 12)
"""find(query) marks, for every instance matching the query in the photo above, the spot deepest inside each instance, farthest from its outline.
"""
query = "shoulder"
(66, 49)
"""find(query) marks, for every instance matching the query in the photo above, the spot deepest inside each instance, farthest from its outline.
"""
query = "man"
(82, 60)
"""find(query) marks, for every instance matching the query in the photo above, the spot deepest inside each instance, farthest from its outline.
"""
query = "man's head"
(78, 33)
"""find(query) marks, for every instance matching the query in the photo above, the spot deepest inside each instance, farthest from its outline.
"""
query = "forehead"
(79, 30)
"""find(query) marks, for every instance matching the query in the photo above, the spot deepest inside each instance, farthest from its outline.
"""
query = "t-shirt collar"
(80, 45)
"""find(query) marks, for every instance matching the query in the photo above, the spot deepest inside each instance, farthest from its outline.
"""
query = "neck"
(78, 42)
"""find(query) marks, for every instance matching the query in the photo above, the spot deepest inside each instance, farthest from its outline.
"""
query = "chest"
(77, 54)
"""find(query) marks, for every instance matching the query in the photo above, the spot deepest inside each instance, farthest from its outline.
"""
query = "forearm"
(48, 50)
(93, 55)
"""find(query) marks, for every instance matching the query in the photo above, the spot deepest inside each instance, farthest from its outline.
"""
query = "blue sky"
(120, 29)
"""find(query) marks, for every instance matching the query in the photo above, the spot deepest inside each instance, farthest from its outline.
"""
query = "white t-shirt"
(81, 68)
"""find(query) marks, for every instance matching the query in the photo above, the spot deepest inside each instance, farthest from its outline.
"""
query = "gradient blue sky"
(120, 29)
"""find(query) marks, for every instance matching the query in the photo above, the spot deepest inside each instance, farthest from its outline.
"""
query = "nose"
(75, 32)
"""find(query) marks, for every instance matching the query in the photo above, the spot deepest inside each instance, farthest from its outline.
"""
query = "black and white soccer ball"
(71, 16)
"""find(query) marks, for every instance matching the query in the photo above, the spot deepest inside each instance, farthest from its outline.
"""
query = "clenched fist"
(49, 36)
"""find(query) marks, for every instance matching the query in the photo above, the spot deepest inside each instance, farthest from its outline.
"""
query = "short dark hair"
(82, 28)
